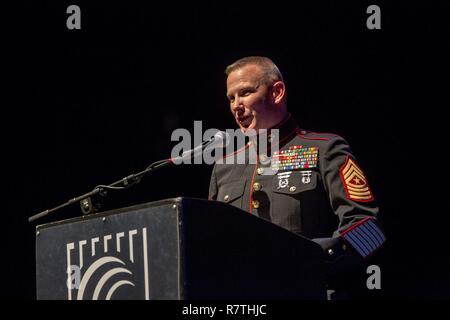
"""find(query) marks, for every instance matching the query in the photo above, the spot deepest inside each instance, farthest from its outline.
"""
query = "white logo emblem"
(306, 176)
(102, 278)
(283, 179)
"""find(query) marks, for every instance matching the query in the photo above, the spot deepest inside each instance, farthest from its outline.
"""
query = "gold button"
(255, 204)
(292, 189)
(226, 198)
(260, 171)
(257, 186)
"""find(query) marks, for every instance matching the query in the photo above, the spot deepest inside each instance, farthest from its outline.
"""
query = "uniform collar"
(285, 129)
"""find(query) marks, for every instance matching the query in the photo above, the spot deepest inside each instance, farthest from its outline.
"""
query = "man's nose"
(237, 105)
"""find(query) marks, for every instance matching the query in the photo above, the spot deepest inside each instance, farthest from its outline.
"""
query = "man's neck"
(285, 117)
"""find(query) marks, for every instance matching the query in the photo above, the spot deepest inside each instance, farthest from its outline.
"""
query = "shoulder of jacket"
(318, 136)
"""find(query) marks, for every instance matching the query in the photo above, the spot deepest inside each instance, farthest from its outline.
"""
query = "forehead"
(248, 75)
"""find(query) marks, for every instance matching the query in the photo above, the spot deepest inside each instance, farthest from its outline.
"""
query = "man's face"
(249, 98)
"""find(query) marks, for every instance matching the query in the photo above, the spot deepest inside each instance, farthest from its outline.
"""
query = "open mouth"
(245, 121)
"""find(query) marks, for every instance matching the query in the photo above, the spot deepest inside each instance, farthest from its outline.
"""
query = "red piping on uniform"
(323, 139)
(227, 155)
(237, 151)
(256, 165)
(289, 135)
(332, 134)
(251, 184)
(356, 225)
(343, 178)
(303, 137)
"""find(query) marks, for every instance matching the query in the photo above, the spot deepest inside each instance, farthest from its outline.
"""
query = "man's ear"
(278, 92)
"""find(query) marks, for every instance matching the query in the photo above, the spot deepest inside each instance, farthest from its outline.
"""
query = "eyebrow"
(247, 87)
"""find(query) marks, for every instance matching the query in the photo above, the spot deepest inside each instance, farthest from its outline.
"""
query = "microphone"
(221, 138)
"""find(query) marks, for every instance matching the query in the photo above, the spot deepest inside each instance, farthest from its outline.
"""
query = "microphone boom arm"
(121, 184)
(132, 179)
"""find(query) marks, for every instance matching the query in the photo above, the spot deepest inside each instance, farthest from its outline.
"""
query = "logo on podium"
(112, 266)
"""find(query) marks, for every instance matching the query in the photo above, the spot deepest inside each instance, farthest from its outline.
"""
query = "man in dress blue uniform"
(318, 190)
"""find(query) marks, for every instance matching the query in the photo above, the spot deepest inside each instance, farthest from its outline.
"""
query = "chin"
(249, 131)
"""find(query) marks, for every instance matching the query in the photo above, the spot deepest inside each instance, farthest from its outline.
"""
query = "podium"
(175, 249)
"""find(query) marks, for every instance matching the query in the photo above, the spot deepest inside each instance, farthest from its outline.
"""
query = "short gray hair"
(271, 73)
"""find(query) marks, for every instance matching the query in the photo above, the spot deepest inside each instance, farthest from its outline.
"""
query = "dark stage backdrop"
(90, 106)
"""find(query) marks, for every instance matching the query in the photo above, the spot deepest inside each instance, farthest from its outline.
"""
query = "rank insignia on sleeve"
(355, 182)
(296, 157)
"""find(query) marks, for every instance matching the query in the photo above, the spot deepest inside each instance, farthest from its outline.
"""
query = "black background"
(90, 106)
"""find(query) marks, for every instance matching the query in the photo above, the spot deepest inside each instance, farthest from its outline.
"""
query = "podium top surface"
(233, 218)
(150, 204)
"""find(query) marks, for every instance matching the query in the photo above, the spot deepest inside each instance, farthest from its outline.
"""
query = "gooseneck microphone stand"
(124, 183)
